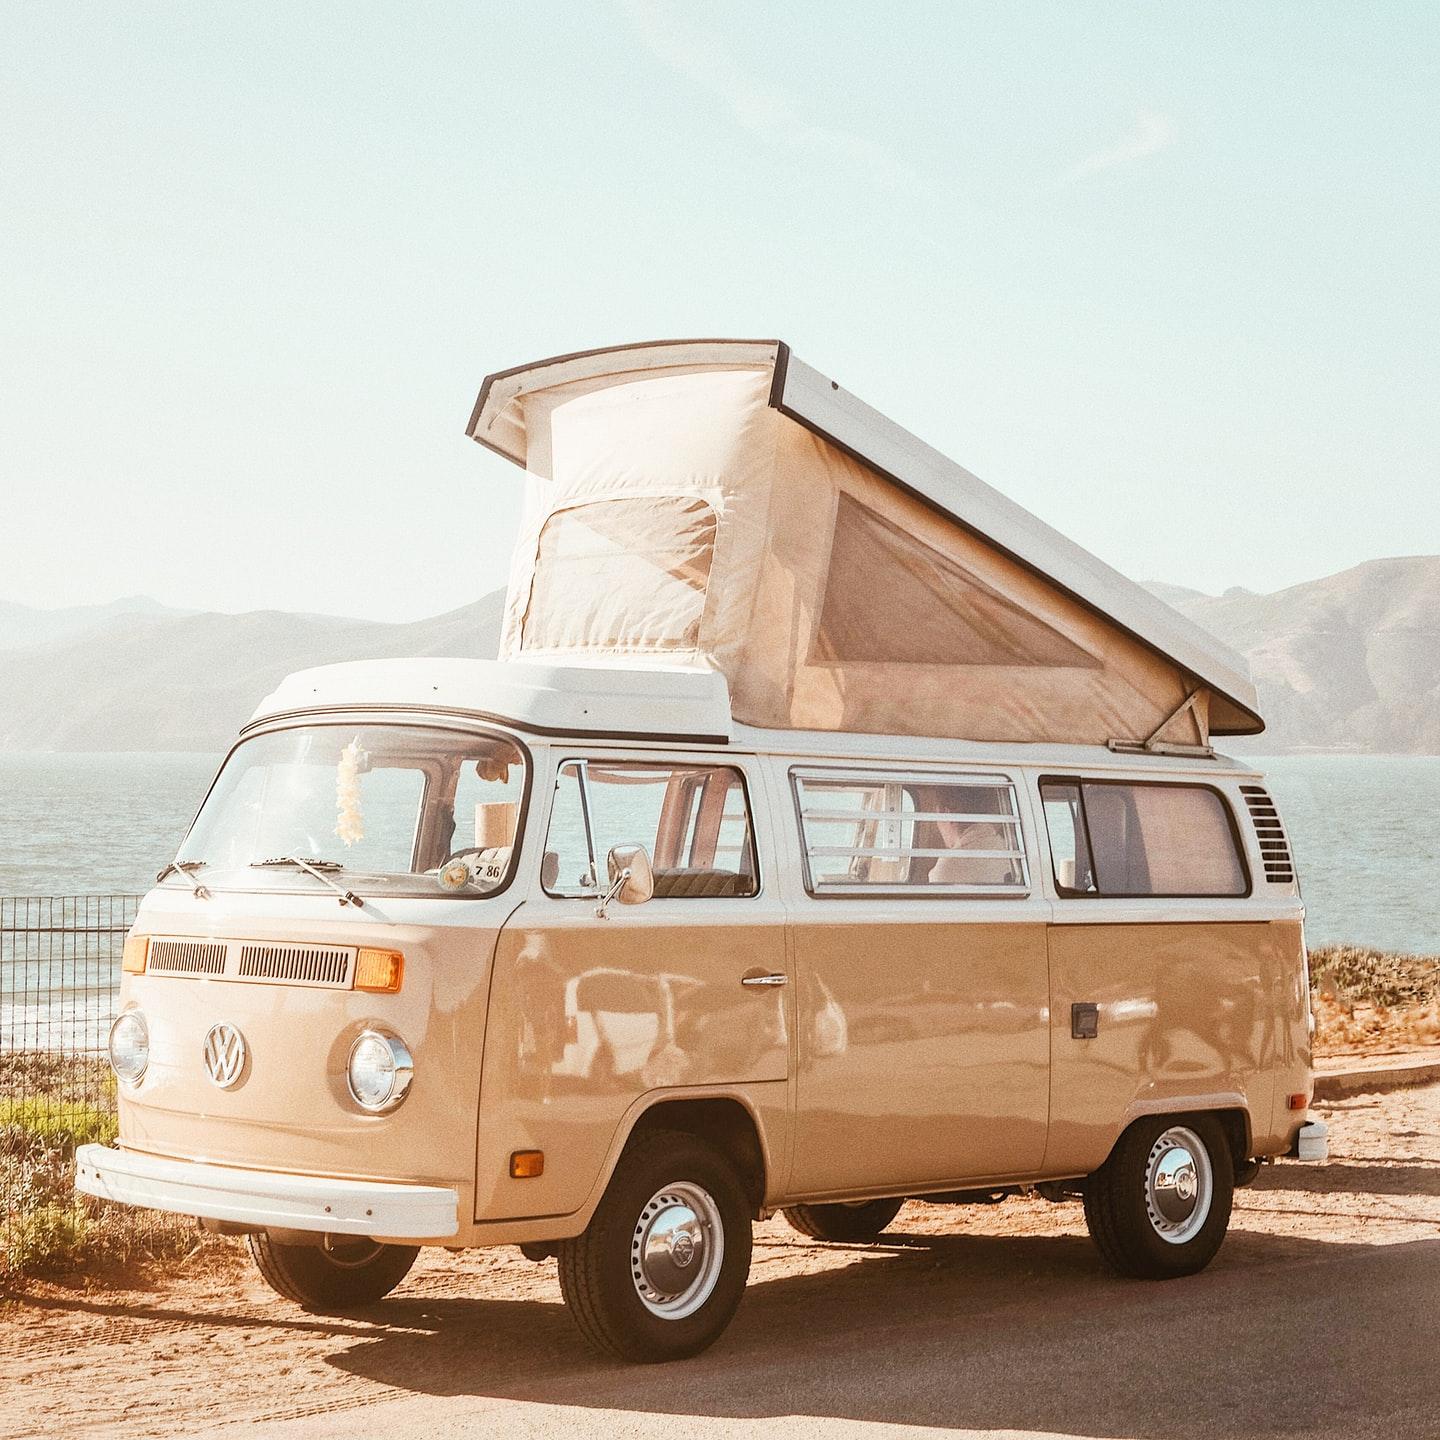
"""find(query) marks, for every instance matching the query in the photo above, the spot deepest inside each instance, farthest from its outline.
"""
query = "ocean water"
(77, 824)
(1365, 830)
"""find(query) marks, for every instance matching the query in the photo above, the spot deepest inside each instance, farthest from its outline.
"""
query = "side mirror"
(632, 879)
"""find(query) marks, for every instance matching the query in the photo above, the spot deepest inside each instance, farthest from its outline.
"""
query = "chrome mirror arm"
(610, 894)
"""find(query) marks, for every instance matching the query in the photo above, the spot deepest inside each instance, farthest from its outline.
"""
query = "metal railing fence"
(59, 983)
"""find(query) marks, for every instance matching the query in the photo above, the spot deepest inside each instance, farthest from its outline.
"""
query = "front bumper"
(267, 1198)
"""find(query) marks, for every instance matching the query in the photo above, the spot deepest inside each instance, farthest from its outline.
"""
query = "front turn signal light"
(135, 954)
(380, 971)
(527, 1164)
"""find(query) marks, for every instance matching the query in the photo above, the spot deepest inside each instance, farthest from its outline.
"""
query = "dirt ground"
(1318, 1318)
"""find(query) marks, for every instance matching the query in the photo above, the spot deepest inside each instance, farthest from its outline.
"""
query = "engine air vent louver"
(1274, 846)
(186, 957)
(295, 964)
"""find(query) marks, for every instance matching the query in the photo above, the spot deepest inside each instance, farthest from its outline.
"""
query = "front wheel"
(659, 1271)
(1160, 1205)
(853, 1223)
(339, 1272)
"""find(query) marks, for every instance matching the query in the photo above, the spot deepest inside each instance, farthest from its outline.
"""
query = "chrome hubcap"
(1179, 1185)
(676, 1250)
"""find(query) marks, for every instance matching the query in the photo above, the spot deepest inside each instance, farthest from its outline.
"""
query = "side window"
(870, 832)
(1128, 840)
(1069, 845)
(693, 819)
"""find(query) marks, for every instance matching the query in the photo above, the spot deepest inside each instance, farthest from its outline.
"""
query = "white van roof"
(821, 406)
(574, 700)
(676, 706)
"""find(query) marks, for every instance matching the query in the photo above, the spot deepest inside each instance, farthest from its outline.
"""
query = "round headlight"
(379, 1071)
(129, 1046)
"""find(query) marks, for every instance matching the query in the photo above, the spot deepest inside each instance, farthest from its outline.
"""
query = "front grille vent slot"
(187, 957)
(329, 967)
(1274, 846)
(295, 964)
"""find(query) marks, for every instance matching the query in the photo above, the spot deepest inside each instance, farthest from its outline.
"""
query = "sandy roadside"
(481, 1341)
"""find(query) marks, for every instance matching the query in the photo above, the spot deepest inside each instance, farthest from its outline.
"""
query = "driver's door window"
(693, 820)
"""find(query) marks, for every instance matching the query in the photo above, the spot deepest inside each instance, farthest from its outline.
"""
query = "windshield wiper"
(182, 868)
(317, 868)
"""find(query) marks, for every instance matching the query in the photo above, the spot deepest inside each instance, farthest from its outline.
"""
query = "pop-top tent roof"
(719, 504)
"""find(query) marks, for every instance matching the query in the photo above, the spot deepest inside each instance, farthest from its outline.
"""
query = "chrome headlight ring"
(378, 1071)
(128, 1046)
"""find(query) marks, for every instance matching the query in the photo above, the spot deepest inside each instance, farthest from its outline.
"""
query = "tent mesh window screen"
(893, 599)
(628, 573)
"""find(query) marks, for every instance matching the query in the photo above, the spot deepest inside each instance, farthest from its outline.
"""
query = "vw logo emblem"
(224, 1056)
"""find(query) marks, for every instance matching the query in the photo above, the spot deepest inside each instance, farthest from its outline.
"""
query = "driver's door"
(590, 1015)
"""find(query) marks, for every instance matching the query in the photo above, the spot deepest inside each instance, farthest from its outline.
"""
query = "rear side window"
(692, 819)
(1110, 838)
(869, 832)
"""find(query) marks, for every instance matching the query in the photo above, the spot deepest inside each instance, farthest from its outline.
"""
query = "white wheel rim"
(676, 1250)
(1179, 1185)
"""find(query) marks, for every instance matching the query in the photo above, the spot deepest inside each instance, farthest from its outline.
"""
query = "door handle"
(760, 981)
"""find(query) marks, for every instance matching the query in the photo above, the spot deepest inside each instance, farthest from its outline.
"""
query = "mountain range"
(144, 677)
(1348, 662)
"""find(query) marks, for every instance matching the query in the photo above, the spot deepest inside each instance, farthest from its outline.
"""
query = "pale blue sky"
(1165, 274)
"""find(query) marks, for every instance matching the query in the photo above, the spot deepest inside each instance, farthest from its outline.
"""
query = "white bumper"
(1313, 1142)
(266, 1197)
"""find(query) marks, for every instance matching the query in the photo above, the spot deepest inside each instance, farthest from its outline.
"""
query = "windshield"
(405, 809)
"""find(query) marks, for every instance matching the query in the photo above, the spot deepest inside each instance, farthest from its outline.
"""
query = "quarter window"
(867, 832)
(1127, 840)
(692, 819)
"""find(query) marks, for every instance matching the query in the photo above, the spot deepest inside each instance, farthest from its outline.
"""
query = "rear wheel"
(861, 1221)
(1160, 1205)
(661, 1268)
(338, 1273)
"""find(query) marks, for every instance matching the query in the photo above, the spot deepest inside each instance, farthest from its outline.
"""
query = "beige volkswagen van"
(829, 833)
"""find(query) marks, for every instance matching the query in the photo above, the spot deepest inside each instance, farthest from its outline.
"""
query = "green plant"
(51, 1236)
(53, 1122)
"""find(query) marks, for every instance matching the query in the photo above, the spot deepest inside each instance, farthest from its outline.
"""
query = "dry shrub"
(49, 1105)
(1367, 999)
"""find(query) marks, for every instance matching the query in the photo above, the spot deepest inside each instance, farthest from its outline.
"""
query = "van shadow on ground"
(1400, 1175)
(1282, 1336)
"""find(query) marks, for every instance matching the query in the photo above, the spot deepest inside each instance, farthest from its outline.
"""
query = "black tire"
(850, 1223)
(339, 1274)
(600, 1275)
(1119, 1200)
